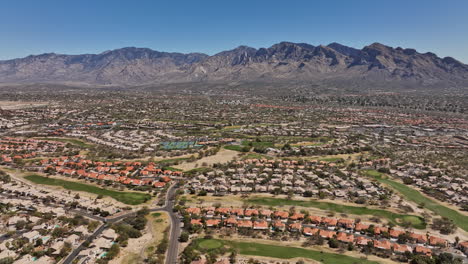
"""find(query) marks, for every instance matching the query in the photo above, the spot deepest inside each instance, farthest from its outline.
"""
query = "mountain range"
(283, 61)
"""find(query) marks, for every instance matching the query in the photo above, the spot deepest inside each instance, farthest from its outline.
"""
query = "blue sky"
(85, 26)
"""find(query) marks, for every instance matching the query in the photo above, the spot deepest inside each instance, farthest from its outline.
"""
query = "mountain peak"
(345, 50)
(284, 60)
(377, 45)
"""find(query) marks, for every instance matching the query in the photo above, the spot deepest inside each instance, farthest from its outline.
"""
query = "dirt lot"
(12, 105)
(138, 248)
(223, 156)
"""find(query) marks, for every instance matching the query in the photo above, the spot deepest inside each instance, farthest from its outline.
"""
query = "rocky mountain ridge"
(282, 61)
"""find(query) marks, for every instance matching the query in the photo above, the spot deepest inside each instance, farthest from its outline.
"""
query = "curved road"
(173, 248)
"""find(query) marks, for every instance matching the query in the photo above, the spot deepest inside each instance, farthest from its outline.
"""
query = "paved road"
(173, 249)
(76, 251)
(172, 252)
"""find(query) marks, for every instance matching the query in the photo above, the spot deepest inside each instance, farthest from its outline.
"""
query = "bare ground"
(223, 156)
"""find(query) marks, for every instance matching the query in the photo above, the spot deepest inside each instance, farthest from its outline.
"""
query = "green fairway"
(415, 196)
(332, 159)
(281, 252)
(132, 198)
(397, 219)
(72, 141)
(258, 144)
(210, 244)
(197, 171)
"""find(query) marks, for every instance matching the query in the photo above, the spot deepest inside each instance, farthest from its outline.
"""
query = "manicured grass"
(131, 198)
(281, 252)
(256, 144)
(256, 156)
(210, 244)
(72, 141)
(332, 159)
(169, 168)
(415, 196)
(197, 171)
(397, 219)
(372, 173)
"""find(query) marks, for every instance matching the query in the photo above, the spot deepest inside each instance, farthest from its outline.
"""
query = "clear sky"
(92, 26)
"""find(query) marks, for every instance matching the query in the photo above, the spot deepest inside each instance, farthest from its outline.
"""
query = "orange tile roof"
(343, 237)
(435, 241)
(282, 214)
(362, 241)
(237, 211)
(384, 244)
(423, 250)
(266, 212)
(401, 248)
(260, 224)
(213, 222)
(222, 210)
(231, 221)
(346, 222)
(326, 233)
(361, 227)
(395, 233)
(379, 229)
(196, 222)
(297, 216)
(310, 231)
(329, 221)
(159, 184)
(193, 210)
(278, 224)
(244, 223)
(315, 219)
(418, 237)
(296, 226)
(250, 212)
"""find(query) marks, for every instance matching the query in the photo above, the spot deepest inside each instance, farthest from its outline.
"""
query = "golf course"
(130, 198)
(397, 219)
(415, 196)
(281, 252)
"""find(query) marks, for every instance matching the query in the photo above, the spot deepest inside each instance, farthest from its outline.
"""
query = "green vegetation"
(237, 148)
(332, 159)
(169, 168)
(197, 171)
(210, 244)
(415, 196)
(131, 198)
(257, 144)
(230, 128)
(72, 141)
(281, 252)
(4, 177)
(397, 219)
